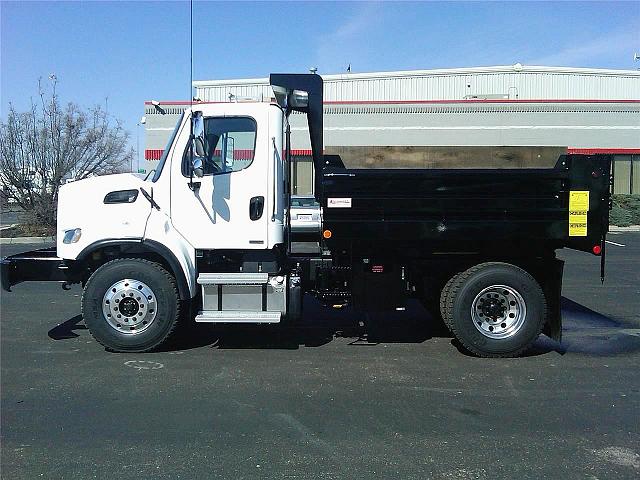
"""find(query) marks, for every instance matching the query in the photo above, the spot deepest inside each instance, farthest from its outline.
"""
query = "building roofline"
(517, 68)
(186, 103)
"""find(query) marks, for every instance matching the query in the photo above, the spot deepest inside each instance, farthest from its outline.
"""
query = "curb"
(21, 240)
(632, 228)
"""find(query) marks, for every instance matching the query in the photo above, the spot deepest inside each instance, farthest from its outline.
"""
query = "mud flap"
(553, 294)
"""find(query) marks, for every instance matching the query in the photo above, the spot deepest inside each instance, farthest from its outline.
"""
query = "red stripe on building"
(570, 150)
(239, 154)
(153, 154)
(594, 151)
(470, 100)
(180, 102)
(246, 154)
(473, 100)
(300, 152)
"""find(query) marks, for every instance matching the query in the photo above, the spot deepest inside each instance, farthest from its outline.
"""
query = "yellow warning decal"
(578, 208)
(578, 200)
(578, 224)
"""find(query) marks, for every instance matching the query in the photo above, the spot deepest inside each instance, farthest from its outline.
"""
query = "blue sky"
(129, 52)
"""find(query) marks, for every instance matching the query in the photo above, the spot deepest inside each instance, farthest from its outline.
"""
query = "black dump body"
(504, 211)
(520, 211)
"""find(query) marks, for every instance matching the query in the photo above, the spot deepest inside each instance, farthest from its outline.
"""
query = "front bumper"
(38, 265)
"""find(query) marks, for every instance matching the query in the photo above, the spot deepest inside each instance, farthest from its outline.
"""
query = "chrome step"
(209, 316)
(232, 278)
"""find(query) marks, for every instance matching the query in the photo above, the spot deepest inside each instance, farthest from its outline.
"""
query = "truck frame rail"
(36, 265)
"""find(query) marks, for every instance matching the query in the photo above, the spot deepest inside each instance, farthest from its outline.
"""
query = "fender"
(155, 247)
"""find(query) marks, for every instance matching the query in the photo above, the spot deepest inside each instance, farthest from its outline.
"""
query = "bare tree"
(42, 148)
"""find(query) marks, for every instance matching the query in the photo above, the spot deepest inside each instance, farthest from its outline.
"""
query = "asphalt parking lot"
(324, 401)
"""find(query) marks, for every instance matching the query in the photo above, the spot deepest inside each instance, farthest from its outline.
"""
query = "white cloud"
(607, 48)
(349, 42)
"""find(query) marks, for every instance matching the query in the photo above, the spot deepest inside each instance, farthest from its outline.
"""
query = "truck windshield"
(165, 154)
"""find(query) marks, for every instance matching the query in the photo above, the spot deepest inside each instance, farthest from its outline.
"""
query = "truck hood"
(81, 206)
(119, 181)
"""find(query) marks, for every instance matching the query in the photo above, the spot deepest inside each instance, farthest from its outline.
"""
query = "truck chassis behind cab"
(208, 237)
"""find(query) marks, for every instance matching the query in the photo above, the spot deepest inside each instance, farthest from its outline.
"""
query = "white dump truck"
(207, 237)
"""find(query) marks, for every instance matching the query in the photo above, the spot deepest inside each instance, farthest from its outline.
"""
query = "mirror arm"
(275, 178)
(193, 186)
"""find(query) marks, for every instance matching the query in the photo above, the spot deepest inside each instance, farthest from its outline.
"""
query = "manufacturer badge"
(338, 202)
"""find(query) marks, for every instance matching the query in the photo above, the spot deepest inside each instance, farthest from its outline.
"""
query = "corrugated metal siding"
(223, 93)
(577, 125)
(524, 85)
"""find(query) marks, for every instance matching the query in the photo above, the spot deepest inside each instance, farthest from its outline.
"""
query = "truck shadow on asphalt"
(319, 326)
(66, 330)
(588, 332)
(585, 331)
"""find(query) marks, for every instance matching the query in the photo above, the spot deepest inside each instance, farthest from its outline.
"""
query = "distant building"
(506, 115)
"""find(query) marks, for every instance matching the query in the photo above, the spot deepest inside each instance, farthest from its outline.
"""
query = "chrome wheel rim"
(498, 312)
(129, 306)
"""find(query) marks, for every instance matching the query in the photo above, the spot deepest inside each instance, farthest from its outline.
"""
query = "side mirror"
(299, 99)
(197, 150)
(197, 166)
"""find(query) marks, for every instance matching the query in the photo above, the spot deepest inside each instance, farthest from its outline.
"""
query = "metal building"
(506, 115)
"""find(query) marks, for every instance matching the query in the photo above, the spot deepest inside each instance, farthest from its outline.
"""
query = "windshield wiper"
(146, 195)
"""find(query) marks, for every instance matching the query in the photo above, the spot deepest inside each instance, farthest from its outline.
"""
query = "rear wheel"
(495, 309)
(131, 305)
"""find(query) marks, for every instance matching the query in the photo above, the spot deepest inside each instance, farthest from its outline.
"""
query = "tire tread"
(444, 311)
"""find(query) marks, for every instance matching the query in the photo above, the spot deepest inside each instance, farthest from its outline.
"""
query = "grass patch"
(27, 231)
(626, 210)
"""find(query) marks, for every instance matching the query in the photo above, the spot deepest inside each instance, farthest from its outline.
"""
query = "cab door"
(229, 207)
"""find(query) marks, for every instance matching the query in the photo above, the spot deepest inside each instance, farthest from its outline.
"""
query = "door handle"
(256, 207)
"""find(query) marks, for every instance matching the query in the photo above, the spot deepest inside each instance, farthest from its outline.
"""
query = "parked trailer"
(208, 236)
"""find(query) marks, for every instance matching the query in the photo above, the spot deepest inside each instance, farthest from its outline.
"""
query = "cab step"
(242, 297)
(238, 317)
(232, 278)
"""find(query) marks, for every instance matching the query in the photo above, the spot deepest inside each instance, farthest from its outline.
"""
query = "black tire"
(167, 305)
(466, 287)
(443, 300)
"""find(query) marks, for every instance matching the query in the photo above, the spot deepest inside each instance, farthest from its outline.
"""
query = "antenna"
(191, 55)
(192, 185)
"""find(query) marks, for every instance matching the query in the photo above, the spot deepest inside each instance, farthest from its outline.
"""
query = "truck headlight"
(72, 236)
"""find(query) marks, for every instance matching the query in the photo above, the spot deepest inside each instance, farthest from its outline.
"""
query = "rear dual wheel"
(494, 309)
(131, 305)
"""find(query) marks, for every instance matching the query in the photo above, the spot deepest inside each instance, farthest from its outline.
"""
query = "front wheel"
(131, 305)
(494, 309)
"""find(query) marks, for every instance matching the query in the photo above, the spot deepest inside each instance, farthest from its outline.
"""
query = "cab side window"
(226, 144)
